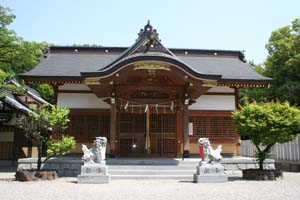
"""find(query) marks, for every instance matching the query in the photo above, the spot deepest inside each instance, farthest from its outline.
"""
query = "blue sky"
(218, 24)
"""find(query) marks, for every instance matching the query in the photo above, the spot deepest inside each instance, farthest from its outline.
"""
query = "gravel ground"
(67, 188)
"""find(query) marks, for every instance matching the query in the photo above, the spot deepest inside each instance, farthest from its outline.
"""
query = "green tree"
(282, 64)
(4, 87)
(46, 91)
(266, 124)
(18, 56)
(37, 128)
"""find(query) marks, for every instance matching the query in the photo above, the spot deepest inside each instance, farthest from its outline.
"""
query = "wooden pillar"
(55, 89)
(236, 94)
(148, 146)
(186, 144)
(113, 121)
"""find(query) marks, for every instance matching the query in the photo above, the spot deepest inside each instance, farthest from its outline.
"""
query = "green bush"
(266, 124)
(60, 147)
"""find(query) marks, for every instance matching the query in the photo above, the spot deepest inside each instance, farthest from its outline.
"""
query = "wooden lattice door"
(163, 135)
(132, 134)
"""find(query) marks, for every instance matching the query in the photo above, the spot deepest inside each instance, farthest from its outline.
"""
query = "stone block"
(65, 166)
(34, 166)
(231, 167)
(241, 166)
(54, 166)
(69, 173)
(210, 173)
(210, 178)
(210, 169)
(94, 169)
(75, 166)
(250, 166)
(93, 178)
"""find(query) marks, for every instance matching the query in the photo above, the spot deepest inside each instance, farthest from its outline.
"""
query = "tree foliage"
(37, 127)
(266, 124)
(45, 90)
(60, 147)
(282, 64)
(18, 56)
(4, 87)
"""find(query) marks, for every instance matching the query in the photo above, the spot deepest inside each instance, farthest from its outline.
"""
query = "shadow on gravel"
(231, 179)
(235, 178)
(185, 181)
(75, 182)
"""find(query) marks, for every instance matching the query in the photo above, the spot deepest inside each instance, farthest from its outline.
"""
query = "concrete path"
(67, 188)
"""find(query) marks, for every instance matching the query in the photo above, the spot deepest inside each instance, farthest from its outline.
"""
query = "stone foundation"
(210, 173)
(65, 166)
(291, 166)
(71, 166)
(94, 173)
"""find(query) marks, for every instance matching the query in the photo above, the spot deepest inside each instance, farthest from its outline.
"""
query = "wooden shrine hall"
(148, 100)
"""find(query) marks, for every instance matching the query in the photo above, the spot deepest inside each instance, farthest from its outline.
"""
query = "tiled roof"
(80, 62)
(70, 65)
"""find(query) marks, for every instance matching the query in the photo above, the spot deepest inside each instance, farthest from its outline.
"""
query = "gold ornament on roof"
(151, 66)
(209, 83)
(92, 81)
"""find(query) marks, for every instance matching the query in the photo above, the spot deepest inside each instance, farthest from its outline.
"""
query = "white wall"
(221, 89)
(77, 100)
(73, 87)
(214, 102)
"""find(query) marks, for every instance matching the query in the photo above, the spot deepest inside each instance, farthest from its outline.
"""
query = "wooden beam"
(75, 91)
(220, 93)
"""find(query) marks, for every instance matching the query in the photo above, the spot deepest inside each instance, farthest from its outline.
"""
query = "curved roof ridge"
(147, 41)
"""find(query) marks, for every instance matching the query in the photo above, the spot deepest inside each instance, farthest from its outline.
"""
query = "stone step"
(152, 167)
(152, 172)
(137, 161)
(177, 177)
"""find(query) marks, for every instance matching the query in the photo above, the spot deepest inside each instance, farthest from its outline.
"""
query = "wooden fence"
(289, 151)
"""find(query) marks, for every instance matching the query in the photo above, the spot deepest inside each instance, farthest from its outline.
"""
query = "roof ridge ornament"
(148, 31)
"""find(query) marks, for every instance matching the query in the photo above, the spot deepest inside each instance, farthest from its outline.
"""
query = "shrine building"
(148, 100)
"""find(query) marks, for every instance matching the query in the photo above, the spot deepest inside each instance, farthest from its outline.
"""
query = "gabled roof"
(12, 102)
(17, 103)
(147, 41)
(29, 91)
(75, 63)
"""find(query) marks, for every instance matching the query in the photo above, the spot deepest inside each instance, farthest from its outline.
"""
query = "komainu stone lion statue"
(97, 153)
(210, 154)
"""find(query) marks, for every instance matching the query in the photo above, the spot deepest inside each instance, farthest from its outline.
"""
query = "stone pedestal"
(94, 173)
(210, 173)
